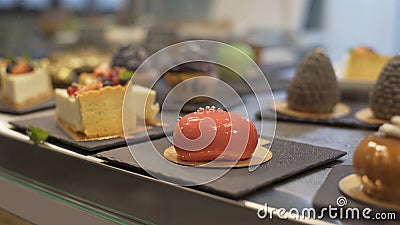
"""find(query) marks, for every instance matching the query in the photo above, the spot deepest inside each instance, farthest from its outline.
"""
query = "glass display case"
(67, 180)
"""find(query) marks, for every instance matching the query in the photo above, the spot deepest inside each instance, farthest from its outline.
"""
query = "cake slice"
(25, 83)
(364, 64)
(94, 108)
(95, 113)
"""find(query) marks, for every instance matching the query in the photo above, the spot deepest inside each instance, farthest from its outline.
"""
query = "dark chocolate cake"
(130, 57)
(385, 97)
(314, 89)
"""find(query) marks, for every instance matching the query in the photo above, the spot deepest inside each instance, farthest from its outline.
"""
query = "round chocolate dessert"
(385, 97)
(130, 57)
(376, 163)
(314, 89)
(188, 70)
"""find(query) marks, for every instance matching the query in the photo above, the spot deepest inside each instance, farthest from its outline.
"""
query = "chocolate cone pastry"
(314, 89)
(130, 57)
(385, 97)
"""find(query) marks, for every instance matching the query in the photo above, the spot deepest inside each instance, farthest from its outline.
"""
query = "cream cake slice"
(95, 113)
(145, 101)
(94, 107)
(25, 87)
(98, 113)
(363, 63)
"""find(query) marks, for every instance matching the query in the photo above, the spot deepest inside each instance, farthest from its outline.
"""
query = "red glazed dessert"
(210, 134)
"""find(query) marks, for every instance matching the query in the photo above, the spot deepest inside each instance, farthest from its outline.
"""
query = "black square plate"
(329, 192)
(289, 158)
(4, 108)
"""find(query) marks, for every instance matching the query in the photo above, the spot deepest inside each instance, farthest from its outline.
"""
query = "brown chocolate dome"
(385, 97)
(376, 163)
(314, 88)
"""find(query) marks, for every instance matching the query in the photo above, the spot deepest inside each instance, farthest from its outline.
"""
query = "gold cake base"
(260, 155)
(366, 116)
(351, 186)
(340, 110)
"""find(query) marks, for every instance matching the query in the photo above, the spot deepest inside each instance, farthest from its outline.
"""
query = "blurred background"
(280, 31)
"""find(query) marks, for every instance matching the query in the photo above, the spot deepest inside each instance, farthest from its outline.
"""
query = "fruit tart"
(94, 106)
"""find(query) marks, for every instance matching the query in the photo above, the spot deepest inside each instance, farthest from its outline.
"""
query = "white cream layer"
(144, 99)
(68, 109)
(23, 87)
(393, 128)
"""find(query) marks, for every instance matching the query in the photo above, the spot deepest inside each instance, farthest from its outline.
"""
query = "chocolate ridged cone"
(314, 89)
(385, 97)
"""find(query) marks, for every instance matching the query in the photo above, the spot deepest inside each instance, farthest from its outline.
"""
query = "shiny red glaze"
(230, 127)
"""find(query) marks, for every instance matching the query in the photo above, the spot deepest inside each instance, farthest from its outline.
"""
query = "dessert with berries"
(94, 106)
(65, 66)
(314, 89)
(185, 71)
(376, 162)
(213, 134)
(384, 100)
(25, 83)
(364, 64)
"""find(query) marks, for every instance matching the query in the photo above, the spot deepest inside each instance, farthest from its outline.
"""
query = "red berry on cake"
(72, 90)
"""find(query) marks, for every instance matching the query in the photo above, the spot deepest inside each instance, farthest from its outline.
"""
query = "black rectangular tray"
(58, 136)
(349, 121)
(329, 192)
(289, 158)
(4, 108)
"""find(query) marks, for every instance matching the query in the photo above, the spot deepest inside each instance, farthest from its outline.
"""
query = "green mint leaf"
(11, 59)
(26, 56)
(125, 74)
(37, 135)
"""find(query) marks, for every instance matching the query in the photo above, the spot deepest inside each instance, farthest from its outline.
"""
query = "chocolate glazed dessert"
(130, 57)
(385, 97)
(314, 89)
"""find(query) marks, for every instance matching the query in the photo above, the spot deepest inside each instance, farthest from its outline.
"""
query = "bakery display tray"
(289, 158)
(124, 193)
(59, 137)
(329, 193)
(4, 108)
(347, 121)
